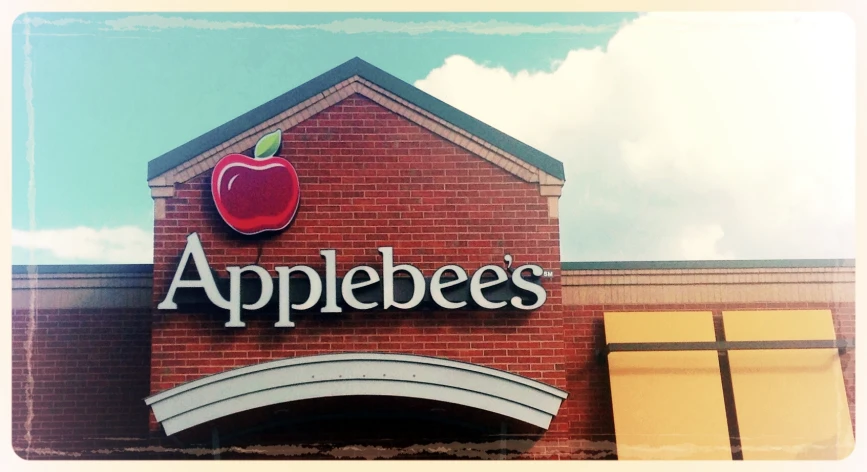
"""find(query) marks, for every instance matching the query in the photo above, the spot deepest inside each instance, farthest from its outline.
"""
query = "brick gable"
(370, 178)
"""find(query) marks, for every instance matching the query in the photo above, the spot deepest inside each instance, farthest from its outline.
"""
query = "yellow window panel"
(791, 404)
(667, 405)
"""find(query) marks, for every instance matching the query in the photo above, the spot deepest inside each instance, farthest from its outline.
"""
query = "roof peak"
(354, 67)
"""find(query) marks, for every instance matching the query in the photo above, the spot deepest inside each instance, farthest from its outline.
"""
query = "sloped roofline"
(348, 69)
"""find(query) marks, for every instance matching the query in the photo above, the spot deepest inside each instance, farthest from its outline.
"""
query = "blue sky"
(113, 91)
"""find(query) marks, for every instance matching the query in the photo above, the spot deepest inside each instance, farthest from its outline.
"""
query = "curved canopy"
(334, 375)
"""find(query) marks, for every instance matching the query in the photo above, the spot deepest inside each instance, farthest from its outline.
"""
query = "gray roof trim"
(97, 286)
(84, 269)
(603, 265)
(329, 375)
(710, 264)
(344, 71)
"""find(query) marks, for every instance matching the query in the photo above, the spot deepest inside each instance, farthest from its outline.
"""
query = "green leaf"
(268, 145)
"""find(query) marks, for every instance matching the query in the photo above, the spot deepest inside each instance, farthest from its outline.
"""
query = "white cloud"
(125, 244)
(700, 243)
(68, 34)
(37, 21)
(690, 136)
(505, 28)
(159, 22)
(358, 26)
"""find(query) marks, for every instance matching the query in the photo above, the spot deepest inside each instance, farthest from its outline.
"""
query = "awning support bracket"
(842, 345)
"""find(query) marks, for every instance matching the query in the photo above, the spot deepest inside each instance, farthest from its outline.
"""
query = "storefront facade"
(397, 291)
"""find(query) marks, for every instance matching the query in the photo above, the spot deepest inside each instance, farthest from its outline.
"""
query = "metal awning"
(351, 374)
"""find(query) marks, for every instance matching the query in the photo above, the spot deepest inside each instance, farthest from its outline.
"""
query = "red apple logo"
(256, 194)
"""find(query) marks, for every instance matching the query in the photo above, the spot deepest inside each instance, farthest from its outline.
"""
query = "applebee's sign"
(491, 287)
(272, 180)
(262, 193)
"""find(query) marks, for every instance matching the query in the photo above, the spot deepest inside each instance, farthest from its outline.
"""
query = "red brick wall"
(370, 178)
(90, 374)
